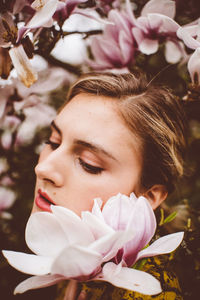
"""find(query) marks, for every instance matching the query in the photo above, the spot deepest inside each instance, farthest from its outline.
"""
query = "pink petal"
(36, 282)
(75, 261)
(194, 65)
(98, 227)
(119, 23)
(96, 209)
(163, 23)
(143, 222)
(98, 52)
(43, 15)
(28, 263)
(163, 245)
(109, 244)
(75, 229)
(130, 279)
(188, 40)
(111, 51)
(165, 7)
(130, 13)
(148, 46)
(138, 35)
(116, 210)
(44, 235)
(126, 46)
(173, 52)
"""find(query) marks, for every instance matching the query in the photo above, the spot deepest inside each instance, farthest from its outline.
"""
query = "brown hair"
(153, 114)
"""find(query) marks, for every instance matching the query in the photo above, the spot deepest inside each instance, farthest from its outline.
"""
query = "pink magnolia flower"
(47, 10)
(190, 34)
(116, 46)
(156, 25)
(100, 245)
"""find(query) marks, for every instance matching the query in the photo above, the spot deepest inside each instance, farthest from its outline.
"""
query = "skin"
(91, 153)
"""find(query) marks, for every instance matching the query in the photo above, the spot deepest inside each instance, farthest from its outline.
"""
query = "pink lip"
(43, 201)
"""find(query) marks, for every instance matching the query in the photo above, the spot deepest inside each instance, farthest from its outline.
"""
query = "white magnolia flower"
(101, 245)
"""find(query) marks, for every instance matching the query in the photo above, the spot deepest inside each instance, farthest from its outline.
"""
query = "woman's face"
(90, 153)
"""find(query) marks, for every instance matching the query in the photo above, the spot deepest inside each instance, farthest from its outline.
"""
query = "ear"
(156, 195)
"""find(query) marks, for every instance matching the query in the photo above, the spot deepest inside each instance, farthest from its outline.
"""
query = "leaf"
(170, 218)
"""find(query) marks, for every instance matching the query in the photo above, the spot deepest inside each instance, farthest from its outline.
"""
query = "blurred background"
(43, 49)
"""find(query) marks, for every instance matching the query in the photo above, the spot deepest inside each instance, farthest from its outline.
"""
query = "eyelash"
(53, 145)
(87, 167)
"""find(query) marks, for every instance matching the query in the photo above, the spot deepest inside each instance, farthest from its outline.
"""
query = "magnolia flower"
(191, 38)
(115, 47)
(47, 10)
(156, 25)
(99, 245)
(7, 198)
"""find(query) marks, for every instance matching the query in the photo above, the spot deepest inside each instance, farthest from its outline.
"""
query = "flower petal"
(130, 279)
(194, 66)
(163, 23)
(173, 52)
(116, 210)
(75, 230)
(36, 282)
(109, 245)
(43, 226)
(98, 227)
(143, 222)
(148, 46)
(163, 245)
(29, 263)
(98, 53)
(187, 38)
(43, 15)
(22, 64)
(165, 7)
(76, 261)
(96, 209)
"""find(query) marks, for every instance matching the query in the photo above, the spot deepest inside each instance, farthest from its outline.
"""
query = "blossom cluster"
(102, 245)
(22, 24)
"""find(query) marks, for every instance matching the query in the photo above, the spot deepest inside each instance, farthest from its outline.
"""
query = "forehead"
(96, 119)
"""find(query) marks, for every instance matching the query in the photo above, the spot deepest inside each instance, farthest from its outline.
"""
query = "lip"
(43, 201)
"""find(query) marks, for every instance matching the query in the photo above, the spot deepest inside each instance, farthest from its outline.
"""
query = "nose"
(49, 169)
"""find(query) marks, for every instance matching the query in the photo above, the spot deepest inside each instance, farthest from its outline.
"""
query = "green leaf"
(170, 218)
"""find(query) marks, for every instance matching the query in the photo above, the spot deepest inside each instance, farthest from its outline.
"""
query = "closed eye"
(53, 145)
(90, 168)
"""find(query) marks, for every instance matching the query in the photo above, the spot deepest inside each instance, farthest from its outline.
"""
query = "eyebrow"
(94, 148)
(53, 124)
(90, 146)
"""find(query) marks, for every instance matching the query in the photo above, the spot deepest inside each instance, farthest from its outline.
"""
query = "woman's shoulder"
(159, 267)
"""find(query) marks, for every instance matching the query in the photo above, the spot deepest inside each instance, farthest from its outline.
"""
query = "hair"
(153, 114)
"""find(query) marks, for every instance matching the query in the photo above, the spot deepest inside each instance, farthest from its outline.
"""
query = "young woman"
(116, 133)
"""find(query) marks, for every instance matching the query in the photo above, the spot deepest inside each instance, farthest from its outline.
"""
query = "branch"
(56, 62)
(85, 33)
